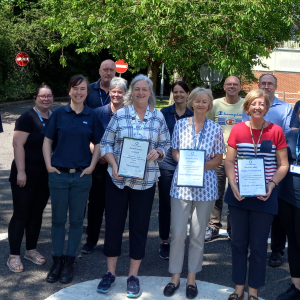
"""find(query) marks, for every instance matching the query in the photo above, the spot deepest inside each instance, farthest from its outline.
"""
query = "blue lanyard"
(197, 146)
(107, 97)
(41, 117)
(137, 133)
(297, 150)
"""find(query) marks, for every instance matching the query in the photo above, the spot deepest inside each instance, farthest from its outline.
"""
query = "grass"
(159, 105)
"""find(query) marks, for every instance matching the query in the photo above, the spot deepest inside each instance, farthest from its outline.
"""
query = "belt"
(68, 170)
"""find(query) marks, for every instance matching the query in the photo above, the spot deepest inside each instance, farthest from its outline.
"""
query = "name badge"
(295, 169)
(84, 122)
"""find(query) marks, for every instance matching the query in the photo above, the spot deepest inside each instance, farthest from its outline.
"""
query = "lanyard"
(41, 117)
(107, 97)
(256, 145)
(297, 149)
(175, 118)
(197, 146)
(136, 132)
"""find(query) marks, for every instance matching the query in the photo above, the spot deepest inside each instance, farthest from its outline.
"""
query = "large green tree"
(231, 35)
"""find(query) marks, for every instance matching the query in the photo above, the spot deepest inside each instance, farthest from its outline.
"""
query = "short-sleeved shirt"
(72, 134)
(1, 127)
(289, 187)
(272, 139)
(97, 97)
(295, 119)
(105, 114)
(120, 126)
(279, 113)
(212, 143)
(226, 115)
(35, 167)
(171, 118)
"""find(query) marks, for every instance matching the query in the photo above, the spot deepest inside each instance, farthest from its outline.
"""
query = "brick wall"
(288, 85)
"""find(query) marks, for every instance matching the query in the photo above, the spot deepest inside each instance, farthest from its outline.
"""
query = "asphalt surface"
(31, 283)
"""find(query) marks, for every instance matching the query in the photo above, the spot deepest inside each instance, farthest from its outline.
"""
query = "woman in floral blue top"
(196, 132)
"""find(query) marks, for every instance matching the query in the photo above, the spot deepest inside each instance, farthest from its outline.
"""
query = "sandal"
(35, 257)
(15, 266)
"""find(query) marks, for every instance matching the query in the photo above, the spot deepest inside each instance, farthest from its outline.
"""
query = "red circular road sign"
(121, 66)
(22, 59)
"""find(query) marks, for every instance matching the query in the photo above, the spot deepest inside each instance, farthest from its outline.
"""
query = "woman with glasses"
(29, 180)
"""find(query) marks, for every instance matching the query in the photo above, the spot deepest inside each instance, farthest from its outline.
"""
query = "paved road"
(31, 284)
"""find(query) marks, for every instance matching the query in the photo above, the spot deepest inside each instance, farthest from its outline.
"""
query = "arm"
(282, 169)
(287, 120)
(175, 154)
(294, 118)
(213, 163)
(47, 155)
(19, 140)
(95, 158)
(230, 173)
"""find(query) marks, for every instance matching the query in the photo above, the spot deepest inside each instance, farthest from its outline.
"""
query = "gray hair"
(118, 82)
(197, 92)
(128, 100)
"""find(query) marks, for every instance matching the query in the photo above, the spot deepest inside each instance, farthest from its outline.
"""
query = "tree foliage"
(231, 35)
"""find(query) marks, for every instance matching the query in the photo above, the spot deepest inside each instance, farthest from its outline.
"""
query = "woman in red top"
(252, 216)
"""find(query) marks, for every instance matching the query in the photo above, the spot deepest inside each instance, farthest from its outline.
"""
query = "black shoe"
(275, 259)
(292, 293)
(67, 272)
(88, 248)
(170, 289)
(164, 250)
(55, 271)
(191, 291)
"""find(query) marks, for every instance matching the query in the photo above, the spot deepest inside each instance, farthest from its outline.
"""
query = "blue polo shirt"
(279, 113)
(171, 117)
(72, 134)
(104, 113)
(97, 97)
(295, 119)
(289, 187)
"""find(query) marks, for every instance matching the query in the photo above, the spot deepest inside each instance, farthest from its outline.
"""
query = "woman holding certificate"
(198, 147)
(255, 163)
(289, 211)
(135, 139)
(167, 167)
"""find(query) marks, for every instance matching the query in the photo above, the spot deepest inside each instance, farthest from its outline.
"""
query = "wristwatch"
(159, 155)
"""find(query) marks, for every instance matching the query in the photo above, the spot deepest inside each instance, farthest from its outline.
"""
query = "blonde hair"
(252, 95)
(197, 92)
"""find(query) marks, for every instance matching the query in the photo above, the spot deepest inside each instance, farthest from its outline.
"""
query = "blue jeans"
(68, 191)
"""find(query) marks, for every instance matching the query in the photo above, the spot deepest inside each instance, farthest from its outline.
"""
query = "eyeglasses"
(44, 97)
(230, 84)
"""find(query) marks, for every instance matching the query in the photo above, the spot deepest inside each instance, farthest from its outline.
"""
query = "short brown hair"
(197, 92)
(252, 95)
(76, 80)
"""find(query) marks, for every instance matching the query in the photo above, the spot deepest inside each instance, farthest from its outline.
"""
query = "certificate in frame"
(251, 176)
(191, 168)
(133, 158)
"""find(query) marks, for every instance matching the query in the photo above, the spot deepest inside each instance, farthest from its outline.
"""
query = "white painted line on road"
(3, 236)
(151, 287)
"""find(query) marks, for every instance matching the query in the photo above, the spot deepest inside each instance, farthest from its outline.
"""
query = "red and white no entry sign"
(22, 59)
(121, 66)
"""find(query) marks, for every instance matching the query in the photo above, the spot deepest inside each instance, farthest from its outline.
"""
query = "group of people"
(73, 155)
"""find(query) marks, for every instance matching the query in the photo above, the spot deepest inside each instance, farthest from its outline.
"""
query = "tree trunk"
(176, 77)
(152, 72)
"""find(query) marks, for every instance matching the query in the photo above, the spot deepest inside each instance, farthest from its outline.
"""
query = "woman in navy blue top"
(167, 167)
(71, 128)
(289, 210)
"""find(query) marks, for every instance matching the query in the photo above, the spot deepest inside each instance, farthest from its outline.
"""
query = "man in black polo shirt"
(97, 97)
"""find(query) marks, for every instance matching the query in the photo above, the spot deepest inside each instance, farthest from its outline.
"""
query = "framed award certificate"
(133, 158)
(252, 177)
(191, 168)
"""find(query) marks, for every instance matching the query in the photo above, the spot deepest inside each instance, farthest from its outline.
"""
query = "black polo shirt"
(171, 118)
(72, 134)
(97, 97)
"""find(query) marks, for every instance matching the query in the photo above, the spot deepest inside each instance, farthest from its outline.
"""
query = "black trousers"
(290, 218)
(216, 214)
(164, 212)
(278, 236)
(117, 203)
(249, 228)
(96, 203)
(29, 203)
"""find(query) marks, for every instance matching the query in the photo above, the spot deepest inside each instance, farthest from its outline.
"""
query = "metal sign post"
(162, 82)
